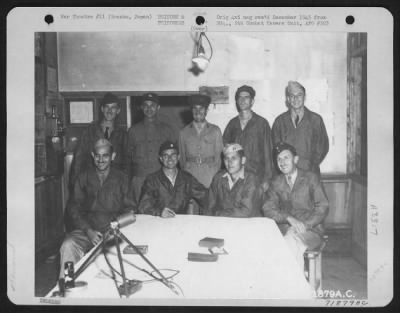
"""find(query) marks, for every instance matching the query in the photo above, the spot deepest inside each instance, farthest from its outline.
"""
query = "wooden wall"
(49, 217)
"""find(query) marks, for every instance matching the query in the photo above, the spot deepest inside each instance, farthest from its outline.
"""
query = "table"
(258, 265)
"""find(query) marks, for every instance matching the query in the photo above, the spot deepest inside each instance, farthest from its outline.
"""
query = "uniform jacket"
(309, 138)
(94, 205)
(255, 139)
(243, 200)
(158, 193)
(306, 202)
(144, 141)
(201, 153)
(83, 158)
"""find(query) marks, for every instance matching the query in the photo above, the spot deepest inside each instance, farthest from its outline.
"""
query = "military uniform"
(242, 200)
(256, 141)
(309, 138)
(201, 153)
(83, 159)
(306, 201)
(159, 193)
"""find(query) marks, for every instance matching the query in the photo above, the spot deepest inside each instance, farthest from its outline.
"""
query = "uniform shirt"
(200, 154)
(94, 205)
(83, 159)
(144, 141)
(309, 138)
(306, 201)
(242, 200)
(159, 193)
(255, 139)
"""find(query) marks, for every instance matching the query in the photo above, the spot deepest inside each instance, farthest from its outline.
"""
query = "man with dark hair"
(234, 192)
(144, 140)
(303, 129)
(100, 196)
(200, 143)
(169, 190)
(105, 128)
(253, 133)
(297, 202)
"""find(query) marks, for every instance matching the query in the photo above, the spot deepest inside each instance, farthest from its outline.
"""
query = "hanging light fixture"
(200, 59)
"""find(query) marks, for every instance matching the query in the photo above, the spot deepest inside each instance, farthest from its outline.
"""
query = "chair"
(313, 263)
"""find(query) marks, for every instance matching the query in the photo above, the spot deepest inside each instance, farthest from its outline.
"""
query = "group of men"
(149, 170)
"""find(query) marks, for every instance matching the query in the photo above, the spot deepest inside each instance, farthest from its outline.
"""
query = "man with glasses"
(169, 190)
(303, 129)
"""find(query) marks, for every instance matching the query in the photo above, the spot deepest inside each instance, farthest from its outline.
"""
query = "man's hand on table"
(166, 213)
(94, 236)
(298, 225)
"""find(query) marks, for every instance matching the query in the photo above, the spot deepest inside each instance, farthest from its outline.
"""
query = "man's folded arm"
(271, 208)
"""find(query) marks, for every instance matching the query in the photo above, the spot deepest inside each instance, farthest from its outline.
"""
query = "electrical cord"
(154, 279)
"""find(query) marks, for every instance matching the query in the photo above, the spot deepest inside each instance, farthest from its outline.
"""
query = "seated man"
(100, 196)
(296, 200)
(234, 192)
(169, 190)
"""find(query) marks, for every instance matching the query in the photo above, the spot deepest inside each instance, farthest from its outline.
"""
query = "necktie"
(296, 121)
(290, 181)
(106, 134)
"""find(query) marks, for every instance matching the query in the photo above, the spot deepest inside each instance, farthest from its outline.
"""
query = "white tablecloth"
(258, 265)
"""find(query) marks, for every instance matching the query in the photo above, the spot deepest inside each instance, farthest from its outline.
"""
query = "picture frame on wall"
(80, 111)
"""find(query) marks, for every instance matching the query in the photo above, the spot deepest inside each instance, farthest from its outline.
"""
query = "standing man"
(144, 140)
(303, 129)
(297, 202)
(234, 192)
(253, 133)
(200, 143)
(106, 128)
(100, 196)
(169, 190)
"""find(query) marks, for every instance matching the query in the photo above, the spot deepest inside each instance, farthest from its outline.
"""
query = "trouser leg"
(73, 248)
(296, 245)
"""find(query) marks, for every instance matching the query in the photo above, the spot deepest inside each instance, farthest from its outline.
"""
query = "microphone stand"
(127, 288)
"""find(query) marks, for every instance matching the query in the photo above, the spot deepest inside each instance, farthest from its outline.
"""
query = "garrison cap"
(151, 97)
(109, 98)
(101, 143)
(232, 147)
(166, 145)
(246, 88)
(281, 146)
(199, 99)
(294, 86)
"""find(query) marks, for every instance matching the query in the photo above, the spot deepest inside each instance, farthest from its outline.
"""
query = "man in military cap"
(254, 134)
(105, 128)
(144, 140)
(169, 190)
(234, 192)
(100, 195)
(302, 128)
(200, 143)
(296, 200)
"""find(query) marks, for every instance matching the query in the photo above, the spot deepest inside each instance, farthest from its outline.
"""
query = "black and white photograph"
(210, 156)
